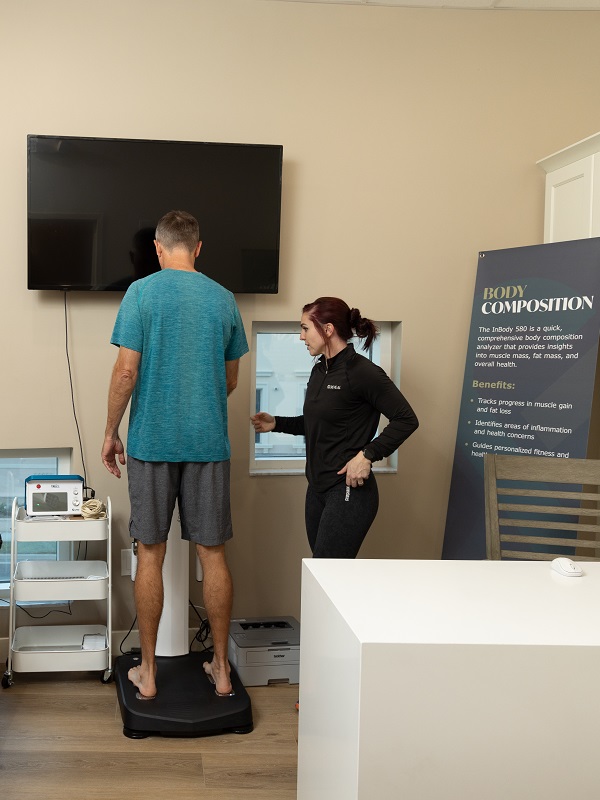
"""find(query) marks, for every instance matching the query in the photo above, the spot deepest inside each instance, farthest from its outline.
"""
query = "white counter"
(453, 680)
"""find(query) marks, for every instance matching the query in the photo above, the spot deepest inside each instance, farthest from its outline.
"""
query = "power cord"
(88, 492)
(203, 631)
(42, 616)
(124, 639)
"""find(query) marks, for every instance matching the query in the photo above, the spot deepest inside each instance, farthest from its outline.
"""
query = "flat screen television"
(93, 205)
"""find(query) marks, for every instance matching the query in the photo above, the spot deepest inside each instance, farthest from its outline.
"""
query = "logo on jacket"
(333, 386)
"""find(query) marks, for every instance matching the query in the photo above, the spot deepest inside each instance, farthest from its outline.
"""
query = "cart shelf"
(61, 580)
(58, 648)
(64, 529)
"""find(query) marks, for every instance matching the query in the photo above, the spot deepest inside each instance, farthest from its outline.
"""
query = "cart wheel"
(106, 676)
(7, 681)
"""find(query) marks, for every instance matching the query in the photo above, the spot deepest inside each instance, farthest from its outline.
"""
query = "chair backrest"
(539, 508)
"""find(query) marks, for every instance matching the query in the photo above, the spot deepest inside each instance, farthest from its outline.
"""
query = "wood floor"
(61, 739)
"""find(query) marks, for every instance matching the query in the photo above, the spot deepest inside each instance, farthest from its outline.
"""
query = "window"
(15, 467)
(280, 370)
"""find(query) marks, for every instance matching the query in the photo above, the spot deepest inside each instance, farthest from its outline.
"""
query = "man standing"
(180, 338)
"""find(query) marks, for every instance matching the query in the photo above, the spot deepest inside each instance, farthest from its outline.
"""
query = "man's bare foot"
(219, 676)
(145, 682)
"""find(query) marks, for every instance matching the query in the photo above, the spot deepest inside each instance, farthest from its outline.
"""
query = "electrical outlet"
(126, 562)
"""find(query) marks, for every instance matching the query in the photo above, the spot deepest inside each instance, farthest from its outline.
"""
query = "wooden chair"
(552, 506)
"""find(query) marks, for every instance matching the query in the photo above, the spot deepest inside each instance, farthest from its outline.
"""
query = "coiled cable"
(93, 509)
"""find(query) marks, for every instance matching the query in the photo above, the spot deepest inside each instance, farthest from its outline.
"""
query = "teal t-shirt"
(186, 326)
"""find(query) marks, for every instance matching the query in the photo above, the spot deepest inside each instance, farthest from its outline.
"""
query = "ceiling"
(485, 5)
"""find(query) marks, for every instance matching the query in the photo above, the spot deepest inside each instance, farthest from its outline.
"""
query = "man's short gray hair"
(178, 229)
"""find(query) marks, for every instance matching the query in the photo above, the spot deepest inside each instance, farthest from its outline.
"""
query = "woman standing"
(345, 397)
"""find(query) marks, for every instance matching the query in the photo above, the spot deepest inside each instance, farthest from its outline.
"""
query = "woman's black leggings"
(338, 520)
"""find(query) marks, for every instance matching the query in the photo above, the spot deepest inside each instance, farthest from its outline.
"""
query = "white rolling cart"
(58, 648)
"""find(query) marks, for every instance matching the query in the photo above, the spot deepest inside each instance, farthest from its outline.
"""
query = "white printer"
(265, 650)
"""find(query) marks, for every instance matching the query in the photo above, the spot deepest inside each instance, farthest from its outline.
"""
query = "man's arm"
(122, 383)
(231, 374)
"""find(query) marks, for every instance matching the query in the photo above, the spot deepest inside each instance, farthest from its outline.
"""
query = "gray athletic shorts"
(202, 490)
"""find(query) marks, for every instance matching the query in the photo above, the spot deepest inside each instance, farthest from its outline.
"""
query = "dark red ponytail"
(346, 321)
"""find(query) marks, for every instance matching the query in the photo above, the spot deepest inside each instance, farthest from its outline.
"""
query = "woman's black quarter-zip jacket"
(344, 399)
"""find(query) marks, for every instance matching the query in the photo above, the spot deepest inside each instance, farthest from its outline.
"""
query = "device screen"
(50, 501)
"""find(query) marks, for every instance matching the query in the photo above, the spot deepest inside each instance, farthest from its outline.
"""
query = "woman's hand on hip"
(357, 470)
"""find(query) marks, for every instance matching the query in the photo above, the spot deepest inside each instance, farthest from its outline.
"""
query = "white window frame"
(390, 339)
(263, 447)
(63, 455)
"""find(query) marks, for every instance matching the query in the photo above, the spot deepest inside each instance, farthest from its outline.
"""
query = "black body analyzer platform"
(185, 704)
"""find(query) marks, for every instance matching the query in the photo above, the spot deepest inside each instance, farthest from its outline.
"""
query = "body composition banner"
(530, 371)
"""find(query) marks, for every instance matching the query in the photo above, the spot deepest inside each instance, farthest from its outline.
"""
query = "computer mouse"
(564, 566)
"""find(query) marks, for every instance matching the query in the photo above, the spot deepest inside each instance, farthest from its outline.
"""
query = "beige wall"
(410, 140)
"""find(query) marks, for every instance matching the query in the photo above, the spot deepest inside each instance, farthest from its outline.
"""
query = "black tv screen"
(93, 205)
